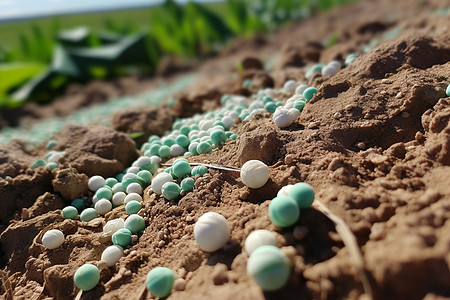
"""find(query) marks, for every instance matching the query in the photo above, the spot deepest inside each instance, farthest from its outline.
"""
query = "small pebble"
(337, 115)
(447, 91)
(211, 231)
(313, 125)
(179, 284)
(288, 159)
(361, 145)
(299, 232)
(52, 239)
(86, 277)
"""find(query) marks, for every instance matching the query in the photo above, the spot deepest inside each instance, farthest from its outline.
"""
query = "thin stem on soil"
(349, 240)
(213, 166)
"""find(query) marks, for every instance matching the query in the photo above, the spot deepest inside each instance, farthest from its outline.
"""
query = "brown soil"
(374, 143)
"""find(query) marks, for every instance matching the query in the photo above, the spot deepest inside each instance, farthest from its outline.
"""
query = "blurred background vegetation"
(41, 56)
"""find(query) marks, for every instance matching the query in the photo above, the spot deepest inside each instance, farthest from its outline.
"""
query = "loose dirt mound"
(374, 143)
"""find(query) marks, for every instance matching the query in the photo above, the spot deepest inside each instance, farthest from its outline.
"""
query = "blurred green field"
(108, 44)
(137, 18)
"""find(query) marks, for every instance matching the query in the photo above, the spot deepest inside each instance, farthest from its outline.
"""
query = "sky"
(28, 8)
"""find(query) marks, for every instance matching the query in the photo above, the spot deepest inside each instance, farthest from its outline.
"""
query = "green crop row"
(171, 29)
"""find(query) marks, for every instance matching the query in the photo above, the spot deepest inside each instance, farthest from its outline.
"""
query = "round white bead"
(211, 231)
(192, 146)
(118, 198)
(159, 180)
(156, 159)
(254, 174)
(259, 238)
(329, 71)
(301, 88)
(55, 157)
(129, 175)
(282, 119)
(205, 125)
(94, 199)
(112, 254)
(288, 105)
(202, 133)
(52, 239)
(176, 150)
(117, 188)
(132, 196)
(270, 92)
(289, 86)
(132, 170)
(233, 115)
(294, 113)
(142, 161)
(228, 122)
(335, 64)
(96, 182)
(103, 206)
(284, 191)
(134, 188)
